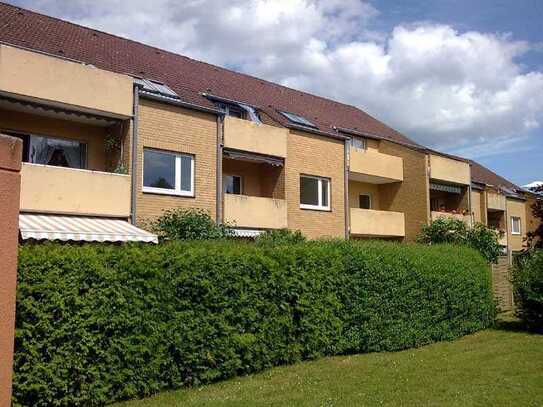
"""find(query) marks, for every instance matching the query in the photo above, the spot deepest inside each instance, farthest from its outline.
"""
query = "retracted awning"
(247, 232)
(453, 189)
(253, 157)
(81, 228)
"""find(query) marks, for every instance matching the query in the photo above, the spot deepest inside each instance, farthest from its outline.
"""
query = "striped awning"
(81, 228)
(446, 188)
(247, 232)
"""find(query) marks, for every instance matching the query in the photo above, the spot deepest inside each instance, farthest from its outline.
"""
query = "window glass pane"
(309, 191)
(158, 169)
(358, 143)
(324, 192)
(186, 173)
(232, 184)
(365, 202)
(57, 152)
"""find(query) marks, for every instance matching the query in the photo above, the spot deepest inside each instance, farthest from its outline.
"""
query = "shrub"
(188, 224)
(280, 236)
(528, 288)
(102, 323)
(448, 230)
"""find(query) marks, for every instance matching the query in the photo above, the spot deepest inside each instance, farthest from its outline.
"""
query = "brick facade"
(176, 129)
(319, 156)
(412, 195)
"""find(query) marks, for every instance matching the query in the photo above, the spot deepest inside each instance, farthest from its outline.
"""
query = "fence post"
(10, 183)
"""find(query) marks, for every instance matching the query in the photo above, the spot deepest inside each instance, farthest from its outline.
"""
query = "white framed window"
(314, 193)
(233, 184)
(365, 201)
(358, 143)
(166, 172)
(515, 225)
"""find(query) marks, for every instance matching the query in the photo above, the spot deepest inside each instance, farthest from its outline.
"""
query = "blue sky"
(465, 77)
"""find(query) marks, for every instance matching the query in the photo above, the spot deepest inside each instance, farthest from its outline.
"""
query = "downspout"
(134, 158)
(220, 144)
(472, 223)
(346, 190)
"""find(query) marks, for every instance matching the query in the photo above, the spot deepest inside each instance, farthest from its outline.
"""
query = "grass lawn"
(496, 367)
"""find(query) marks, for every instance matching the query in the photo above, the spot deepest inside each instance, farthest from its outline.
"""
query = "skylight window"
(156, 87)
(294, 118)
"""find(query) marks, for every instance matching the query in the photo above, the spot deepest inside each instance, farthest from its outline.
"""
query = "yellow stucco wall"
(319, 156)
(255, 212)
(60, 81)
(72, 191)
(179, 130)
(449, 170)
(495, 201)
(516, 208)
(258, 138)
(376, 164)
(376, 223)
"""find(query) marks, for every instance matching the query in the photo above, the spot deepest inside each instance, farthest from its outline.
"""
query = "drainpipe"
(220, 144)
(346, 189)
(134, 162)
(469, 200)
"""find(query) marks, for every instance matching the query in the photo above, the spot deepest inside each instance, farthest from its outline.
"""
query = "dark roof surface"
(188, 77)
(483, 175)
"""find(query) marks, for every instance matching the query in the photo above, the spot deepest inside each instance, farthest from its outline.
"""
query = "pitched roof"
(483, 175)
(188, 77)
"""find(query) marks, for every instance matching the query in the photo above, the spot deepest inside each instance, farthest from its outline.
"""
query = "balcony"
(449, 170)
(73, 191)
(374, 167)
(495, 201)
(38, 77)
(245, 135)
(255, 212)
(450, 215)
(368, 222)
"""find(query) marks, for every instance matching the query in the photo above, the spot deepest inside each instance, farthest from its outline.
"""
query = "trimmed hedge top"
(96, 324)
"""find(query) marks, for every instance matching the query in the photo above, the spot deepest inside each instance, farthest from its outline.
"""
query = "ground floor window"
(232, 184)
(515, 225)
(53, 151)
(314, 192)
(167, 172)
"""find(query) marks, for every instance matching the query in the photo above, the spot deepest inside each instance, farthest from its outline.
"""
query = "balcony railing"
(450, 215)
(368, 222)
(255, 212)
(257, 138)
(449, 170)
(73, 191)
(495, 201)
(375, 167)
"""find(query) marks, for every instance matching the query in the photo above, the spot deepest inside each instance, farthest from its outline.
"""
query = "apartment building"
(115, 132)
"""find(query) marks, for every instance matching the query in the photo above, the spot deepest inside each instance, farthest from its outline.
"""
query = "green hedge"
(97, 324)
(528, 287)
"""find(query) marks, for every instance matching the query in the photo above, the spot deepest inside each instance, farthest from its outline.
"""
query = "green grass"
(496, 367)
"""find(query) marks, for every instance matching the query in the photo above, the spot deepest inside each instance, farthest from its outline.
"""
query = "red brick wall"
(10, 165)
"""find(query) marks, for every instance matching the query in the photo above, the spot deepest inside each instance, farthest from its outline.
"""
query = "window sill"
(166, 192)
(315, 208)
(515, 234)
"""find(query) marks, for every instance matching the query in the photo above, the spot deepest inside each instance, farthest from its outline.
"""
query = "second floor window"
(314, 192)
(515, 225)
(365, 201)
(166, 172)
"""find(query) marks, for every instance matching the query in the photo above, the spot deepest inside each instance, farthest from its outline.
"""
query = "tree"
(535, 238)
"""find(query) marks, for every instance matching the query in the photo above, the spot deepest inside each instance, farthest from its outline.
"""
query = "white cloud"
(463, 92)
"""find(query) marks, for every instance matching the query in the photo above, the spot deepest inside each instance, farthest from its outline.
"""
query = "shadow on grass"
(509, 322)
